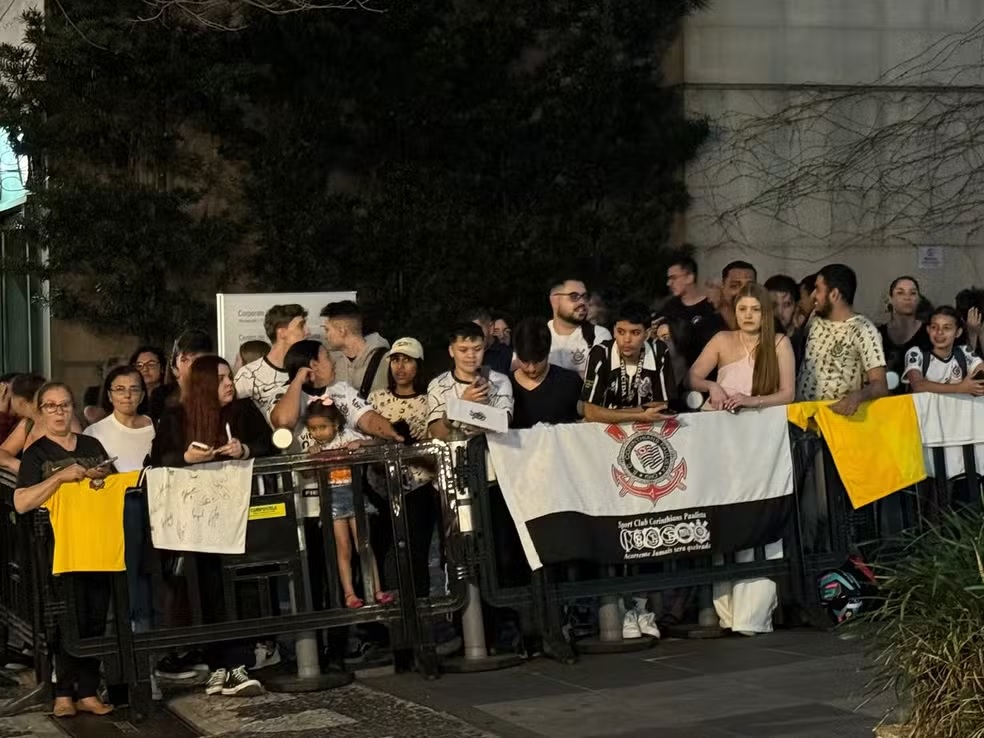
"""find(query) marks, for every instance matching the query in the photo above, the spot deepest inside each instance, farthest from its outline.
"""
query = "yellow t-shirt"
(88, 524)
(877, 451)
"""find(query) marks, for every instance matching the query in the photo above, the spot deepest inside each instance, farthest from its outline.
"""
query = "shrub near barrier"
(927, 635)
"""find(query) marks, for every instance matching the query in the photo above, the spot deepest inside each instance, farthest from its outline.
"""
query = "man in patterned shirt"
(844, 359)
(467, 349)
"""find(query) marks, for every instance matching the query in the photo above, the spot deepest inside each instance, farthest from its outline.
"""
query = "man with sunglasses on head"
(571, 335)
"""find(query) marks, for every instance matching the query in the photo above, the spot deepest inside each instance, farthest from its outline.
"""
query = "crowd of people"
(741, 344)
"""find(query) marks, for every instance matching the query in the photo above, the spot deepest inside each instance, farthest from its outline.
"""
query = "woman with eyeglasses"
(58, 457)
(150, 362)
(24, 389)
(128, 435)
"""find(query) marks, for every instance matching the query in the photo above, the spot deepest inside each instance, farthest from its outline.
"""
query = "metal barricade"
(21, 606)
(541, 597)
(267, 591)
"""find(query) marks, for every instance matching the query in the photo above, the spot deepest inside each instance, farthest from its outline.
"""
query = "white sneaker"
(647, 624)
(630, 626)
(641, 605)
(216, 682)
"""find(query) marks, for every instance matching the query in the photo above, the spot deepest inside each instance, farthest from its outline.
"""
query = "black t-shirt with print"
(895, 353)
(692, 326)
(605, 385)
(44, 457)
(553, 401)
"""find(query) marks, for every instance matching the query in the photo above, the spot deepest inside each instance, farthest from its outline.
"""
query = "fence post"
(460, 488)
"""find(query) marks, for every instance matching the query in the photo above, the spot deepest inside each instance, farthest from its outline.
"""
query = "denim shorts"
(343, 503)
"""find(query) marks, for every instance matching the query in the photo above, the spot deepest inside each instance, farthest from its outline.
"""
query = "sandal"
(385, 598)
(93, 705)
(64, 707)
(352, 602)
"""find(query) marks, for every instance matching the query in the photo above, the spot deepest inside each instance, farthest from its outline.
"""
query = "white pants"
(747, 606)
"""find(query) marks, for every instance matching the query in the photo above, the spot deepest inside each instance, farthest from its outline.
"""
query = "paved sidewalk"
(791, 684)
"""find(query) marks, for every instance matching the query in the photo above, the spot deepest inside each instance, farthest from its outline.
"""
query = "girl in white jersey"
(947, 368)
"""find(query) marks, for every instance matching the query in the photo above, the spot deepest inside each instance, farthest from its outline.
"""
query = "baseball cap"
(408, 347)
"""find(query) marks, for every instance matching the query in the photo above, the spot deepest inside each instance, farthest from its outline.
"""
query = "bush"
(928, 633)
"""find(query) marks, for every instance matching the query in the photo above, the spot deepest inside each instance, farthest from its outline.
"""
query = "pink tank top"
(736, 377)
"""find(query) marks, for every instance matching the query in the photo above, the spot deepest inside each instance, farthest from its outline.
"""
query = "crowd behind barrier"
(37, 609)
(295, 578)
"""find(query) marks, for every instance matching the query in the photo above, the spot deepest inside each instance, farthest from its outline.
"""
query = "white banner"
(240, 316)
(200, 508)
(645, 491)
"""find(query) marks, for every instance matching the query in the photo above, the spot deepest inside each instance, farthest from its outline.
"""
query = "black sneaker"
(356, 650)
(174, 667)
(239, 684)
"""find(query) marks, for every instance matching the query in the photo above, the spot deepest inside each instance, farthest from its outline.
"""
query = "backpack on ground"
(846, 591)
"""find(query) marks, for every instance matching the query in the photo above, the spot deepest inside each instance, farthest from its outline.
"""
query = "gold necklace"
(748, 351)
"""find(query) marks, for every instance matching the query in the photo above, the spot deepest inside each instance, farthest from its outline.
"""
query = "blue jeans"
(136, 526)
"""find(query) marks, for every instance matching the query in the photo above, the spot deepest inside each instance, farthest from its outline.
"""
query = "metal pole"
(477, 657)
(472, 619)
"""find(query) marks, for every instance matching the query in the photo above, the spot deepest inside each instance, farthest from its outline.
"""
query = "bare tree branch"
(230, 15)
(898, 161)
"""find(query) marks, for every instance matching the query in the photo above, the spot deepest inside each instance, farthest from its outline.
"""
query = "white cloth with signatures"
(202, 508)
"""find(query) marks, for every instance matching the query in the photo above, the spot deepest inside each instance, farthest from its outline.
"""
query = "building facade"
(842, 130)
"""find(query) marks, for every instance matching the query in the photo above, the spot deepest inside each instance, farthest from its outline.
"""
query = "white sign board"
(930, 257)
(475, 414)
(241, 316)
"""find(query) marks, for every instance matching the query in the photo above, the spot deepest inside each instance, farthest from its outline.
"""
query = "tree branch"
(230, 15)
(900, 161)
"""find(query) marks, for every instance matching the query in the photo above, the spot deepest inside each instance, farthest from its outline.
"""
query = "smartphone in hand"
(107, 463)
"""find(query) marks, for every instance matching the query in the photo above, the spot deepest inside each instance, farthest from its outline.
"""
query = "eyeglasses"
(152, 364)
(57, 408)
(126, 391)
(574, 296)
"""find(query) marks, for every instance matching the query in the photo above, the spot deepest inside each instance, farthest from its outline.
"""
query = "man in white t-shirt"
(844, 358)
(466, 345)
(571, 335)
(263, 380)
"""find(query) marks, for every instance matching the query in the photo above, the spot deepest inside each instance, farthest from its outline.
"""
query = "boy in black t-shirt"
(542, 392)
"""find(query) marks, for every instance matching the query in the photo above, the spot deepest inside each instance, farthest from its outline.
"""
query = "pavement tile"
(801, 721)
(600, 672)
(701, 698)
(572, 716)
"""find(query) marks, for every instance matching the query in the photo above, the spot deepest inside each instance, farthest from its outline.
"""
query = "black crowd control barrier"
(817, 537)
(286, 582)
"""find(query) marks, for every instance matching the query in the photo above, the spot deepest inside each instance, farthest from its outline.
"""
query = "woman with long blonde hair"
(755, 369)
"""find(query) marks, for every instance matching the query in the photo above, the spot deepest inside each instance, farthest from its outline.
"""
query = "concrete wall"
(11, 28)
(744, 60)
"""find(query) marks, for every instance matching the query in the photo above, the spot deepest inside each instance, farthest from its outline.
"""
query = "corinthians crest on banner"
(647, 464)
(699, 484)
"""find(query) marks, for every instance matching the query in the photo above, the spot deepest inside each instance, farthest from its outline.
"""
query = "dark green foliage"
(101, 106)
(437, 155)
(927, 637)
(449, 153)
